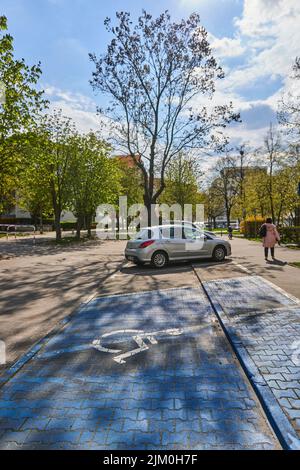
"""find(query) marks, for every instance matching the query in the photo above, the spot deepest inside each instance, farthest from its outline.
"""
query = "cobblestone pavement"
(150, 370)
(264, 321)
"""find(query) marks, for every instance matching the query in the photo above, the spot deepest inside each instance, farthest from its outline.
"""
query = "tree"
(256, 191)
(131, 182)
(270, 155)
(51, 151)
(181, 180)
(227, 183)
(153, 73)
(213, 203)
(289, 105)
(19, 106)
(94, 178)
(33, 197)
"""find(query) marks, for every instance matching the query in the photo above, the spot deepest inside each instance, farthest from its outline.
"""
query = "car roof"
(162, 226)
(178, 225)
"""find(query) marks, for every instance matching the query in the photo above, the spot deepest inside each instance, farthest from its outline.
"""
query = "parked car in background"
(175, 242)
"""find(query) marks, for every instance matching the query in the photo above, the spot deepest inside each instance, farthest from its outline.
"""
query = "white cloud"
(272, 28)
(190, 3)
(80, 108)
(226, 47)
(266, 38)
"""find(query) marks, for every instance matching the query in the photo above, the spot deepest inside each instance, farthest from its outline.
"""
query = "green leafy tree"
(227, 183)
(94, 178)
(256, 191)
(213, 203)
(51, 151)
(33, 197)
(131, 183)
(20, 104)
(182, 182)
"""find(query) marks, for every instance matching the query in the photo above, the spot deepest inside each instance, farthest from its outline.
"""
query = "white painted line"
(281, 291)
(89, 298)
(243, 268)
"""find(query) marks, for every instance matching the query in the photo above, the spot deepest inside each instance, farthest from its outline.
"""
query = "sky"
(255, 41)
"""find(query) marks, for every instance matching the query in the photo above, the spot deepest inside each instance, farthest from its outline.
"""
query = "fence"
(13, 229)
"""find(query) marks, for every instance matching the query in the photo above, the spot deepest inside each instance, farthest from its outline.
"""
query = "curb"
(280, 424)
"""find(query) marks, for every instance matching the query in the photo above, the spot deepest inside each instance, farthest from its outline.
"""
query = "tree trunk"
(89, 223)
(79, 226)
(57, 215)
(228, 213)
(41, 222)
(147, 202)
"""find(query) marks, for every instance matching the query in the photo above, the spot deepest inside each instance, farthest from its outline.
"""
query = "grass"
(296, 264)
(18, 235)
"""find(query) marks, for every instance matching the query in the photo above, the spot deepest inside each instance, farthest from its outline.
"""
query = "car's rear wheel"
(159, 259)
(219, 253)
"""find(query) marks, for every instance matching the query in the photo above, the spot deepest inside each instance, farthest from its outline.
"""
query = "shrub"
(73, 225)
(290, 234)
(68, 225)
(15, 221)
(250, 226)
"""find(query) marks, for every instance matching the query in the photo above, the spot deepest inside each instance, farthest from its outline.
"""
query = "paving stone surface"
(266, 322)
(139, 371)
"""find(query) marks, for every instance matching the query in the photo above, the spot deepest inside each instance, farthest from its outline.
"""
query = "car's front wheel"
(219, 253)
(159, 259)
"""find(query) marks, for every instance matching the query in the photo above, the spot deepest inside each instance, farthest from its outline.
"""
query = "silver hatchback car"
(163, 243)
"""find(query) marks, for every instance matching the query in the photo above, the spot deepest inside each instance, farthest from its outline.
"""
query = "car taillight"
(145, 244)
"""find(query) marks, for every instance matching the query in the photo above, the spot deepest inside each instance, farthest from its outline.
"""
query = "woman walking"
(270, 235)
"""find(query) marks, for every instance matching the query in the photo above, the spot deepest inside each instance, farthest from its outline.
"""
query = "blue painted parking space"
(263, 322)
(148, 370)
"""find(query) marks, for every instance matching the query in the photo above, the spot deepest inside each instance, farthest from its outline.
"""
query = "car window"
(172, 232)
(167, 232)
(144, 234)
(192, 233)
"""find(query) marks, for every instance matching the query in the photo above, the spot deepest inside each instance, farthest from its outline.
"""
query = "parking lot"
(145, 359)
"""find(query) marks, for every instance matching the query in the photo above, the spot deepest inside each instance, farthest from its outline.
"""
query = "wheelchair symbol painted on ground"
(142, 339)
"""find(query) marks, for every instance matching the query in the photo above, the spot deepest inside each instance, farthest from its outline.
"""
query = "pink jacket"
(272, 236)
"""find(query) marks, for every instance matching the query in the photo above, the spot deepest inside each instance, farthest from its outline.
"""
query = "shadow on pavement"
(277, 262)
(173, 267)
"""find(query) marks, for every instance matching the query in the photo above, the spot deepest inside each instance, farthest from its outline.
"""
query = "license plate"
(130, 258)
